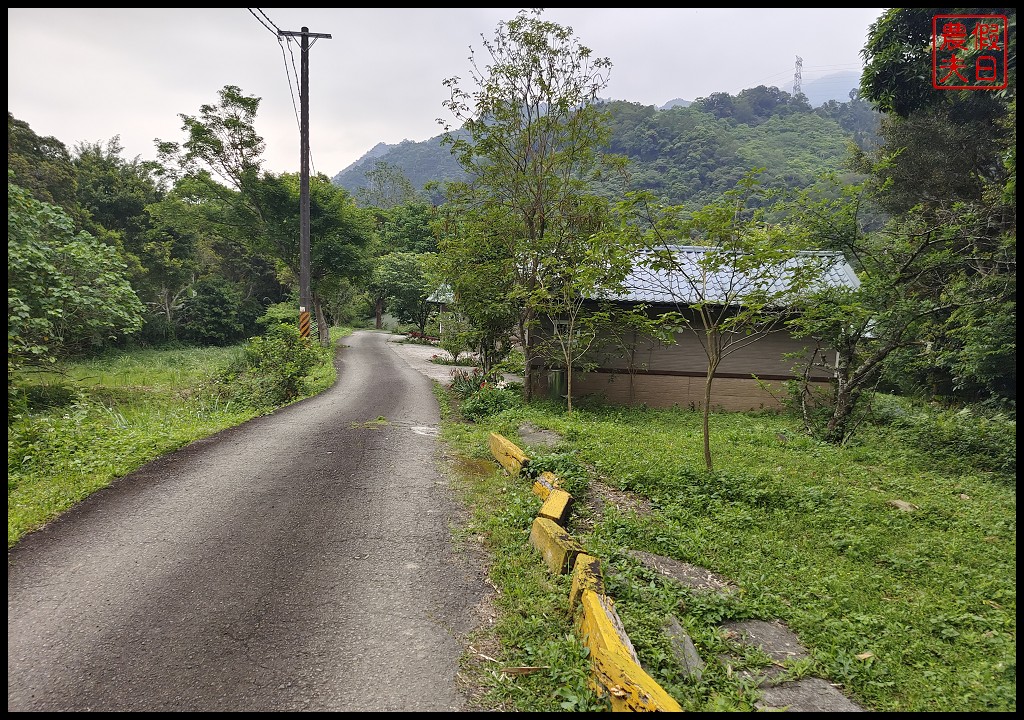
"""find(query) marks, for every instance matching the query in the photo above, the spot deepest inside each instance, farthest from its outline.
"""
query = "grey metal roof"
(688, 281)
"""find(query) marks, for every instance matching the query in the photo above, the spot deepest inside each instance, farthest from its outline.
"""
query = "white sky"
(88, 74)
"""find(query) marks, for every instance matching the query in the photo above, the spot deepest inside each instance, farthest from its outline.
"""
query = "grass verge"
(894, 562)
(73, 433)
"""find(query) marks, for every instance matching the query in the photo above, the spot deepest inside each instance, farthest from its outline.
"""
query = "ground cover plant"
(893, 558)
(74, 432)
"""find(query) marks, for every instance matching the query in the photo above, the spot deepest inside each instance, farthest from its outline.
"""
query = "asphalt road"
(302, 561)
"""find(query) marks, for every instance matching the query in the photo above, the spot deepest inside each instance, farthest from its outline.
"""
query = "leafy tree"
(254, 216)
(897, 75)
(593, 264)
(918, 272)
(946, 171)
(387, 187)
(42, 165)
(222, 142)
(474, 267)
(339, 235)
(66, 292)
(210, 314)
(407, 228)
(114, 194)
(531, 134)
(746, 282)
(408, 287)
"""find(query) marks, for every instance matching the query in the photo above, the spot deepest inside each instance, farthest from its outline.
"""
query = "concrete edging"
(615, 670)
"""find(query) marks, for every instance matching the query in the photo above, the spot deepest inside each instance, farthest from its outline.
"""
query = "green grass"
(71, 434)
(905, 611)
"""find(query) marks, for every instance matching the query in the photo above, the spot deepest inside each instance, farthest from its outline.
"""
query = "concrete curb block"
(544, 484)
(615, 666)
(508, 454)
(616, 672)
(586, 575)
(554, 544)
(556, 507)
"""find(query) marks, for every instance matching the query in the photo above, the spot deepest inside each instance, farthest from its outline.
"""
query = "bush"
(963, 436)
(286, 313)
(466, 382)
(274, 367)
(490, 400)
(514, 362)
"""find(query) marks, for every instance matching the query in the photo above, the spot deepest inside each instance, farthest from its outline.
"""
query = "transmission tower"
(797, 76)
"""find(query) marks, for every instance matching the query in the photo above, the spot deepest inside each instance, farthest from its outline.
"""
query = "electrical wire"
(290, 72)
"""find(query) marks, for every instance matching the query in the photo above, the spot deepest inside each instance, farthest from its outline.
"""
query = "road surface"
(302, 561)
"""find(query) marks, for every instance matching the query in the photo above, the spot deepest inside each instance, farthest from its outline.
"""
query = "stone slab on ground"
(808, 694)
(691, 576)
(538, 437)
(775, 639)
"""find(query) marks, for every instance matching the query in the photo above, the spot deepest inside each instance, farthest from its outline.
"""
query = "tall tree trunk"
(568, 389)
(835, 431)
(378, 309)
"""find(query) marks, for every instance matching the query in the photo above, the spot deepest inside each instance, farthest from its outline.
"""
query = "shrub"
(964, 436)
(490, 400)
(466, 382)
(274, 367)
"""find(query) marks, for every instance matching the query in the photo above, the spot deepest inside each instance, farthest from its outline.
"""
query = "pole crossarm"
(300, 33)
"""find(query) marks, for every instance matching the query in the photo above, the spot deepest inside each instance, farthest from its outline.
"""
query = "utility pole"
(305, 296)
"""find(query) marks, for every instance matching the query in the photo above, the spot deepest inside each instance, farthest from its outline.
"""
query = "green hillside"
(688, 153)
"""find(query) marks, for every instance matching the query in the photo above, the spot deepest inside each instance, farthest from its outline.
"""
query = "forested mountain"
(924, 206)
(686, 153)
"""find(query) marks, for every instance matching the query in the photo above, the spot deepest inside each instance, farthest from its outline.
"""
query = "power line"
(272, 28)
(290, 72)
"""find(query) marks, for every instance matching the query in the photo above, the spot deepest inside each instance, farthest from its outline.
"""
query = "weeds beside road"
(894, 558)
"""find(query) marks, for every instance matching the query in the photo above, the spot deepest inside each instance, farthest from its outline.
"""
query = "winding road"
(303, 561)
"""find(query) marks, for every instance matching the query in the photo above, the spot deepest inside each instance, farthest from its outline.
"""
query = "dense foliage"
(685, 154)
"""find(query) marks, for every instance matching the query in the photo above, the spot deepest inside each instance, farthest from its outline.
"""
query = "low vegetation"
(893, 558)
(74, 432)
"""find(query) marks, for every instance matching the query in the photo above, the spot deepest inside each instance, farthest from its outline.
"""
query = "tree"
(593, 264)
(387, 187)
(66, 292)
(400, 281)
(744, 282)
(339, 235)
(222, 141)
(256, 215)
(946, 171)
(530, 135)
(474, 268)
(407, 228)
(42, 165)
(897, 75)
(918, 273)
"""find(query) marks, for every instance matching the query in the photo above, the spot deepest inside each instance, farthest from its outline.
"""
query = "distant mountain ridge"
(686, 150)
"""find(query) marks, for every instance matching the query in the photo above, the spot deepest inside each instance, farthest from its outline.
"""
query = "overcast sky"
(88, 74)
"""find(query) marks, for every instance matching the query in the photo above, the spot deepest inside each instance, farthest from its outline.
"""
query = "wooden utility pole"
(305, 296)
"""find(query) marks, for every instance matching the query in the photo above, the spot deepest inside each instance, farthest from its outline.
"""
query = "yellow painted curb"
(508, 454)
(556, 545)
(557, 506)
(586, 575)
(544, 484)
(616, 671)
